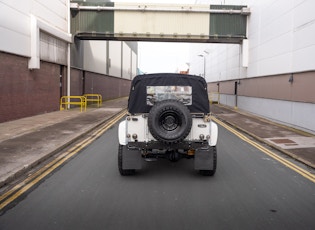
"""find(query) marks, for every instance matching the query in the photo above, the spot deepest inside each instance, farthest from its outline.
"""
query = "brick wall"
(108, 87)
(25, 92)
(76, 82)
(213, 87)
(277, 87)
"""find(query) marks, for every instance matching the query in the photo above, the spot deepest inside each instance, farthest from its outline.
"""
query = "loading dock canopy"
(158, 22)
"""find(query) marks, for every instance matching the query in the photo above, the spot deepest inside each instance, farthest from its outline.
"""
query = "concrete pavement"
(298, 144)
(26, 142)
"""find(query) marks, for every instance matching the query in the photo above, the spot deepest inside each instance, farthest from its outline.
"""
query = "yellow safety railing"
(73, 100)
(214, 97)
(94, 98)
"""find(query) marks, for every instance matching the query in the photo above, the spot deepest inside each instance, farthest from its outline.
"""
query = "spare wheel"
(169, 121)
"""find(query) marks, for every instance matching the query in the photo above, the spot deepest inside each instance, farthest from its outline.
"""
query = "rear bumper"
(159, 145)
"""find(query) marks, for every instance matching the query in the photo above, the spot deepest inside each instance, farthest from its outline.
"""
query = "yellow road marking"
(33, 179)
(280, 159)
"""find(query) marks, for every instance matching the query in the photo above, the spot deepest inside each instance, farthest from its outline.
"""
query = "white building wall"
(114, 58)
(222, 61)
(126, 67)
(15, 22)
(281, 37)
(290, 113)
(115, 49)
(95, 59)
(303, 36)
(281, 40)
(134, 64)
(196, 62)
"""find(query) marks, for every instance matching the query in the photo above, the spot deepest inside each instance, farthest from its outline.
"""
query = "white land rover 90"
(168, 117)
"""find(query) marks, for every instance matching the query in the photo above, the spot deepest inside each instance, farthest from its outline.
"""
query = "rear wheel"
(123, 172)
(211, 172)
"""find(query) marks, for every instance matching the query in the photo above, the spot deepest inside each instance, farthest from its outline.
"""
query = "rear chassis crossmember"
(200, 151)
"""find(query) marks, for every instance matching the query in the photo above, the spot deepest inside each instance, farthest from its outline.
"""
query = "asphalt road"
(249, 191)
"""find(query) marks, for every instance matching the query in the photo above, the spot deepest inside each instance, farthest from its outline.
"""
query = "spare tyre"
(169, 121)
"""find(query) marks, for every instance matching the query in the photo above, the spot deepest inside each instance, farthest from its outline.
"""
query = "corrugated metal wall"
(101, 22)
(52, 49)
(227, 24)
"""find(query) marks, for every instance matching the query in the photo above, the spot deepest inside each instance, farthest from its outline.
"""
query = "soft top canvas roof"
(137, 102)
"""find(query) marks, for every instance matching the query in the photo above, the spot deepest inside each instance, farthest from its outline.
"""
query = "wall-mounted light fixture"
(291, 78)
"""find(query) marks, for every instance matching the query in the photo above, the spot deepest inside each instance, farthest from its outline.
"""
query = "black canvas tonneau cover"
(137, 102)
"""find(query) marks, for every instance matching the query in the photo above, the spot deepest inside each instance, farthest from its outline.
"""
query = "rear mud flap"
(131, 159)
(204, 159)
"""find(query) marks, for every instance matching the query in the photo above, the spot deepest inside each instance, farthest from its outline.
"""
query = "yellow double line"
(33, 179)
(280, 159)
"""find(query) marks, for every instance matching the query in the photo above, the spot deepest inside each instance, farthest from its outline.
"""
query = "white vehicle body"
(137, 125)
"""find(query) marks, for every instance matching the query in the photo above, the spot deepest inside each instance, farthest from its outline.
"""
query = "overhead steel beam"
(160, 38)
(144, 8)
